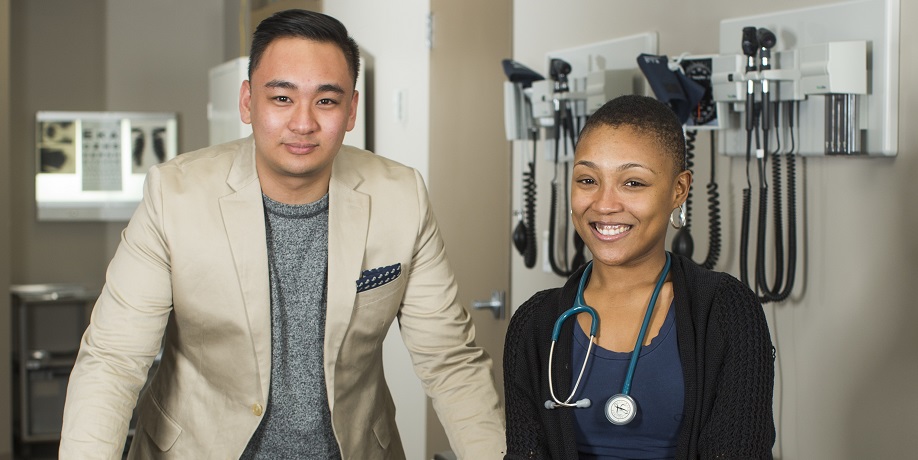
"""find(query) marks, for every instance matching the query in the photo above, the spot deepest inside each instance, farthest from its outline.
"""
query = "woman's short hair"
(646, 116)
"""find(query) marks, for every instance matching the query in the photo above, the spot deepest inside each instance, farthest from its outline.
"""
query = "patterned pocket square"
(376, 277)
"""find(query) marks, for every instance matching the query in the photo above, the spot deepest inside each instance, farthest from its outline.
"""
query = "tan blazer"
(192, 265)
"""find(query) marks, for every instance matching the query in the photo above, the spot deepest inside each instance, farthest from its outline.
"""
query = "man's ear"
(352, 118)
(245, 100)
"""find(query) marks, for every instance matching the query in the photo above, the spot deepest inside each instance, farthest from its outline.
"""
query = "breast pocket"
(375, 310)
(383, 293)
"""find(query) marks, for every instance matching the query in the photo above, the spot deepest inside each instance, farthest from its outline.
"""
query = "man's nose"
(302, 119)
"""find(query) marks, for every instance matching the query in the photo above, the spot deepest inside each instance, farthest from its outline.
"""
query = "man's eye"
(282, 99)
(587, 181)
(327, 101)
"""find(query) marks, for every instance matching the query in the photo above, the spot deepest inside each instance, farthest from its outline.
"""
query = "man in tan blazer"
(268, 270)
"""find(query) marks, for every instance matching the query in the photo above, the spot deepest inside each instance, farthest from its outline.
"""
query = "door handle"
(497, 304)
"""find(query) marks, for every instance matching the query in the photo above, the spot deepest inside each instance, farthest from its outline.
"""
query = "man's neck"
(294, 190)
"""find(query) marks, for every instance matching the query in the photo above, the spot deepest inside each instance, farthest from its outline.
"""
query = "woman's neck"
(619, 280)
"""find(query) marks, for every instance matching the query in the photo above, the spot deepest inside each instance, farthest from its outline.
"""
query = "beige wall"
(57, 63)
(91, 55)
(847, 361)
(157, 58)
(95, 55)
(5, 380)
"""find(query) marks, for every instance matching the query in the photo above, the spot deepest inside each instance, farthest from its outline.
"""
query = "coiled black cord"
(529, 207)
(682, 244)
(560, 127)
(751, 117)
(689, 165)
(558, 270)
(563, 124)
(779, 225)
(784, 280)
(714, 235)
(777, 294)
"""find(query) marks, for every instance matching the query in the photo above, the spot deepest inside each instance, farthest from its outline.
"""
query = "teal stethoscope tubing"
(581, 307)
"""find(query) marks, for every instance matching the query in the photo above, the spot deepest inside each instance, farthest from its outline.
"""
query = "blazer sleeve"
(123, 338)
(741, 423)
(439, 335)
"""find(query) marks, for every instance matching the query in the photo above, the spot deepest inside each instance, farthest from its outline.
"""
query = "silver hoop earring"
(681, 222)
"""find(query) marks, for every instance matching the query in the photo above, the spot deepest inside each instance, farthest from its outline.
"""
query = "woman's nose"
(607, 199)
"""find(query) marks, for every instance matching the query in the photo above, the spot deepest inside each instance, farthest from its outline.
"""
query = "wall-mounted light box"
(90, 166)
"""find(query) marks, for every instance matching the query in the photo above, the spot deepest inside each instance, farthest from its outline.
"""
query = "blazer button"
(257, 410)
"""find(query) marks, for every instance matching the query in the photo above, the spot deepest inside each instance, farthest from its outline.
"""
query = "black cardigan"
(727, 364)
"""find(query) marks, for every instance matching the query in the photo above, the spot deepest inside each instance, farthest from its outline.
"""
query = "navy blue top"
(657, 388)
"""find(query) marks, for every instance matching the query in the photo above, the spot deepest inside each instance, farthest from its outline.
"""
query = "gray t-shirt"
(297, 421)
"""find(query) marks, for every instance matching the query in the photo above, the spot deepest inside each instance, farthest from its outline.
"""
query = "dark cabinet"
(48, 323)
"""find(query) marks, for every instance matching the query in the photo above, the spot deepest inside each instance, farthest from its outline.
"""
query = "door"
(470, 162)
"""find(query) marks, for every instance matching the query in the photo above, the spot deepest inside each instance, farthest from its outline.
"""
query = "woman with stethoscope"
(642, 354)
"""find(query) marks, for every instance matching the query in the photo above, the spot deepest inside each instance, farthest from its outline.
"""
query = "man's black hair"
(304, 24)
(648, 117)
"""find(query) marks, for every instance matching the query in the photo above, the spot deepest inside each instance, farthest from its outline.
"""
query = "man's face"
(300, 102)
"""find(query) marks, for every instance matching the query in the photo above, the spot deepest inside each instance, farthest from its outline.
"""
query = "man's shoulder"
(229, 163)
(357, 166)
(354, 156)
(208, 157)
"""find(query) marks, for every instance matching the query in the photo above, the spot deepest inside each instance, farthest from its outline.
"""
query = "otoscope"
(759, 42)
(767, 41)
(750, 49)
(563, 123)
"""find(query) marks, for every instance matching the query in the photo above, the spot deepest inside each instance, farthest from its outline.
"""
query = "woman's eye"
(634, 183)
(586, 181)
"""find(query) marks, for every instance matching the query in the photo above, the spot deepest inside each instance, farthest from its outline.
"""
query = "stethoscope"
(620, 408)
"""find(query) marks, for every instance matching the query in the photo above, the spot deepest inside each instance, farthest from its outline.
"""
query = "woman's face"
(623, 191)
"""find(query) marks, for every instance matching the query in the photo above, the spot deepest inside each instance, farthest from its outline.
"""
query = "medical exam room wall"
(89, 55)
(6, 429)
(97, 55)
(847, 351)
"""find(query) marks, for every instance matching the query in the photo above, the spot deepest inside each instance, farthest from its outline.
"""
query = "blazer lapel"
(348, 224)
(243, 218)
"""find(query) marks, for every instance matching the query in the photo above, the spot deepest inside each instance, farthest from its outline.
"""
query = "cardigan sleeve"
(741, 423)
(525, 433)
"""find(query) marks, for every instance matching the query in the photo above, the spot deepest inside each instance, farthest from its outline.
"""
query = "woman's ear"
(682, 185)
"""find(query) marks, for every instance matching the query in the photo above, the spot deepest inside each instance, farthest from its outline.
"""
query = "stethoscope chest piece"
(621, 409)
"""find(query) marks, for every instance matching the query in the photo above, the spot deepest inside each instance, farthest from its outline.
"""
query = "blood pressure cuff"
(673, 88)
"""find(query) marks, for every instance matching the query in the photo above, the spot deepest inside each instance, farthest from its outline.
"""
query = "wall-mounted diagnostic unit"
(837, 64)
(90, 166)
(818, 81)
